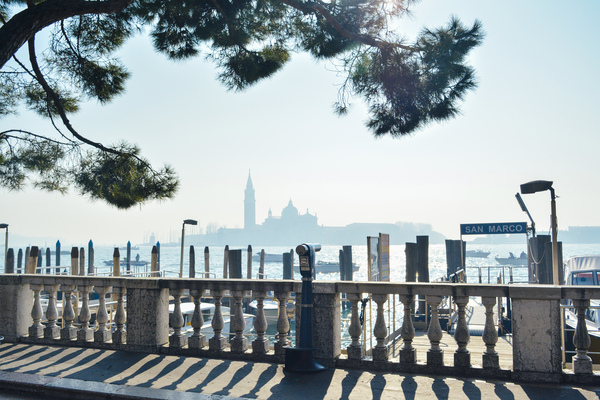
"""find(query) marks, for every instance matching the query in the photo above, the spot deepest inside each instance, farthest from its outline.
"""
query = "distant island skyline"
(292, 227)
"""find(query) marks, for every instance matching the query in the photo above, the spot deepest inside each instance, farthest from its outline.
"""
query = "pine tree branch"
(315, 7)
(23, 25)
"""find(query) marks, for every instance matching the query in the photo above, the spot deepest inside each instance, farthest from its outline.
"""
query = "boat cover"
(580, 263)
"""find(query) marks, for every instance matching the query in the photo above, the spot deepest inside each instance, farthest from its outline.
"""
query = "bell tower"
(249, 205)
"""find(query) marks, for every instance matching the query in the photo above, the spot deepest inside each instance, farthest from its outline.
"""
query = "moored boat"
(583, 270)
(512, 260)
(477, 253)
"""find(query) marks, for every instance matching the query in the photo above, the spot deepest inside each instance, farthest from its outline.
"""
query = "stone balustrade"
(139, 320)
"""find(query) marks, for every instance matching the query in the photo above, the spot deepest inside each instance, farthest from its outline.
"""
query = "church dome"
(289, 211)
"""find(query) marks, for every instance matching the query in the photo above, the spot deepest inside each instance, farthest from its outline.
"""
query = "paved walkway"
(48, 372)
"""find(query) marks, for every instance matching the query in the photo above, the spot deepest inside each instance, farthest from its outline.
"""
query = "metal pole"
(6, 246)
(554, 224)
(181, 260)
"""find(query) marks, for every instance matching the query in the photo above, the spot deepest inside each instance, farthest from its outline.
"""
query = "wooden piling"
(39, 261)
(349, 273)
(455, 258)
(33, 257)
(235, 264)
(287, 266)
(82, 261)
(410, 249)
(116, 262)
(20, 261)
(91, 270)
(9, 268)
(206, 263)
(57, 257)
(261, 267)
(128, 255)
(249, 263)
(48, 261)
(154, 267)
(225, 261)
(192, 269)
(74, 260)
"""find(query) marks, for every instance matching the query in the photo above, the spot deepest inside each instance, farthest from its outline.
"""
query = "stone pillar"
(102, 334)
(355, 350)
(177, 339)
(490, 357)
(68, 332)
(239, 343)
(462, 356)
(408, 354)
(582, 363)
(37, 329)
(327, 323)
(283, 325)
(147, 315)
(51, 331)
(536, 335)
(217, 342)
(380, 331)
(261, 344)
(85, 333)
(435, 355)
(119, 336)
(197, 340)
(16, 303)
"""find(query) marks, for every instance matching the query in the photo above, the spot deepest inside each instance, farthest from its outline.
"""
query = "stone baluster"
(51, 331)
(119, 336)
(68, 332)
(490, 357)
(239, 343)
(435, 355)
(217, 342)
(380, 331)
(85, 333)
(582, 363)
(102, 334)
(260, 345)
(283, 325)
(355, 350)
(408, 354)
(177, 339)
(37, 329)
(462, 356)
(197, 340)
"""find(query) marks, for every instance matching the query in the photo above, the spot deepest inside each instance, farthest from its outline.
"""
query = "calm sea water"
(170, 260)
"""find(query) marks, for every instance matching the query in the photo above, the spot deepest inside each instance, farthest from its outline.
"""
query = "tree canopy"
(406, 85)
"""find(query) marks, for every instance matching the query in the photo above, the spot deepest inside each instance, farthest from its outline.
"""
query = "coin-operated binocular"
(301, 359)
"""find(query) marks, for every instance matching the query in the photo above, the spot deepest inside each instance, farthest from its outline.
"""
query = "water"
(170, 260)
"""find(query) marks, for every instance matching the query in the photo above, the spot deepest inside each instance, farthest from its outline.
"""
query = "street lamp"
(188, 222)
(525, 210)
(5, 226)
(541, 186)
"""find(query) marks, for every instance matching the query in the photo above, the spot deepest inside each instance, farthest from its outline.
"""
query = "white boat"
(269, 258)
(207, 310)
(271, 309)
(512, 260)
(477, 253)
(583, 270)
(327, 267)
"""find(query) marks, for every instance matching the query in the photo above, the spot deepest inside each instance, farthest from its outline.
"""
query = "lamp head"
(190, 222)
(521, 203)
(3, 226)
(535, 186)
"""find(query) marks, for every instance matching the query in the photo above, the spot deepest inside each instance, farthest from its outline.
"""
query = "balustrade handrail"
(148, 315)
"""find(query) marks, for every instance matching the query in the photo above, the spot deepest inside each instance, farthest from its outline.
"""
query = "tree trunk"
(23, 25)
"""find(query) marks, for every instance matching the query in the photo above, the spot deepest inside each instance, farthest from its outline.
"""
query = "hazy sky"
(533, 116)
